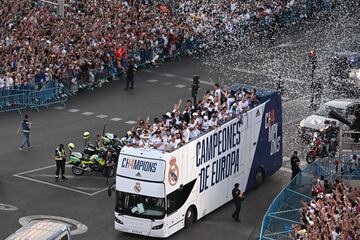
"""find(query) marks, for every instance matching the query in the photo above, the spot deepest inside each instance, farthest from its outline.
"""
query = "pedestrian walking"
(238, 197)
(60, 159)
(295, 165)
(109, 165)
(25, 126)
(130, 76)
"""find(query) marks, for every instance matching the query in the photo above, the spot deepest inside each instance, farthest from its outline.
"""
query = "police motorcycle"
(112, 141)
(82, 163)
(324, 143)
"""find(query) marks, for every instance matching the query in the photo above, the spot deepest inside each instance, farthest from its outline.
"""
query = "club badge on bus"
(137, 187)
(173, 174)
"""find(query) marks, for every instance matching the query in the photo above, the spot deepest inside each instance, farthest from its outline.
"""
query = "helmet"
(86, 135)
(71, 146)
(110, 136)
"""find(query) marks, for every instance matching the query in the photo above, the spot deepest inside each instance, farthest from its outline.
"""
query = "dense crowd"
(97, 37)
(333, 214)
(181, 126)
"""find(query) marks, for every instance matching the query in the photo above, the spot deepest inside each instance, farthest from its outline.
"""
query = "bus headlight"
(118, 221)
(158, 227)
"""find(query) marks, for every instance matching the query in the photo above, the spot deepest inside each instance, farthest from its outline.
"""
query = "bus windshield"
(139, 205)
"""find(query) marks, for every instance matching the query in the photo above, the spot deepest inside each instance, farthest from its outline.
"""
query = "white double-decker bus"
(159, 193)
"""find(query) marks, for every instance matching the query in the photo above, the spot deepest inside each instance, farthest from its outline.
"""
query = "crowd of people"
(180, 126)
(96, 38)
(333, 214)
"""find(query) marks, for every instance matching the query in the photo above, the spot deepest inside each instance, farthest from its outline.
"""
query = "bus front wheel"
(190, 216)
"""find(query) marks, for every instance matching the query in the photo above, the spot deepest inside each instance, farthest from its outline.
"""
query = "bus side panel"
(268, 152)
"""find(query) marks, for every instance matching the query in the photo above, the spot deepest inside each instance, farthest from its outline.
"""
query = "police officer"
(238, 197)
(60, 158)
(295, 165)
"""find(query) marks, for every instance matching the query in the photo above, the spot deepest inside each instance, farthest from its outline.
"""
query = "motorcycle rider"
(331, 135)
(60, 158)
(99, 142)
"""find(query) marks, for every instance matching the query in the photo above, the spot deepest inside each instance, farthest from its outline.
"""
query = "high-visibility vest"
(60, 153)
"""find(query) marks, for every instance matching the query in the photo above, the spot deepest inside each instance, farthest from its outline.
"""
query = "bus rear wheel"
(190, 216)
(259, 177)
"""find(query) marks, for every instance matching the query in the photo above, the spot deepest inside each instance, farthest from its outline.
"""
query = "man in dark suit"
(238, 197)
(130, 76)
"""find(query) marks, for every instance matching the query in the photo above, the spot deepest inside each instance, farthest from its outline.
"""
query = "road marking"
(180, 86)
(116, 119)
(52, 184)
(79, 227)
(87, 113)
(180, 77)
(73, 110)
(35, 170)
(102, 116)
(166, 83)
(152, 80)
(59, 107)
(130, 122)
(7, 207)
(167, 74)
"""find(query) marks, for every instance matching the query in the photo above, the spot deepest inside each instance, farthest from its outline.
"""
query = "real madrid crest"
(173, 174)
(137, 187)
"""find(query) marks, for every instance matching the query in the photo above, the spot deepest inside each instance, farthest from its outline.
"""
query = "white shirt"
(213, 122)
(186, 135)
(2, 83)
(218, 93)
(173, 145)
(244, 104)
(194, 133)
(9, 82)
(206, 125)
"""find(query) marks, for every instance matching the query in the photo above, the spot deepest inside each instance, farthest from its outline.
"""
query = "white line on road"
(130, 122)
(166, 83)
(35, 170)
(59, 107)
(180, 86)
(101, 190)
(152, 80)
(116, 119)
(87, 113)
(73, 110)
(51, 184)
(102, 116)
(167, 74)
(180, 77)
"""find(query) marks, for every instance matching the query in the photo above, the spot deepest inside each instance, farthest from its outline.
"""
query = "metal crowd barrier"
(19, 99)
(283, 212)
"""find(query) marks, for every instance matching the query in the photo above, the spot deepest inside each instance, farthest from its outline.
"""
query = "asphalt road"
(27, 178)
